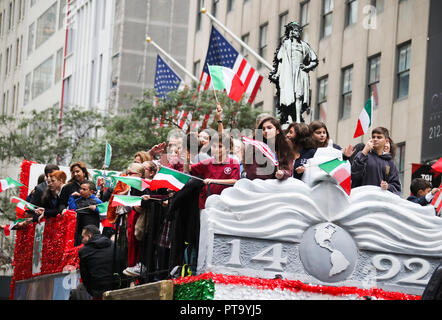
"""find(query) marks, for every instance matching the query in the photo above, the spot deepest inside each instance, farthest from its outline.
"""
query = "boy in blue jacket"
(372, 166)
(422, 191)
(85, 204)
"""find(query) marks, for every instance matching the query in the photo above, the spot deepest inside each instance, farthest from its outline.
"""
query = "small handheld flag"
(226, 78)
(8, 183)
(341, 171)
(128, 201)
(264, 148)
(170, 179)
(22, 205)
(365, 119)
(135, 182)
(107, 155)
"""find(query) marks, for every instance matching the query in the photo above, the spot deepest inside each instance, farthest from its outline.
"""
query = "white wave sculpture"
(282, 211)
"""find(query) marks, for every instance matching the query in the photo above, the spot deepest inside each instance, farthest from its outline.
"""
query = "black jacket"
(433, 290)
(35, 197)
(96, 265)
(372, 168)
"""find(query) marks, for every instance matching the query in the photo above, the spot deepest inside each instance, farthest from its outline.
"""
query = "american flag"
(221, 53)
(166, 80)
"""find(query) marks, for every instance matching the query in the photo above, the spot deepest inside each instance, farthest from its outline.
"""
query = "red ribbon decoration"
(296, 286)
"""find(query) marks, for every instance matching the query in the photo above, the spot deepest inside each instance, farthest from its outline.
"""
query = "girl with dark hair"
(273, 136)
(372, 166)
(321, 138)
(299, 134)
(79, 174)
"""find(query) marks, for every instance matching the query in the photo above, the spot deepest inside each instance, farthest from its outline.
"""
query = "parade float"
(271, 239)
(311, 240)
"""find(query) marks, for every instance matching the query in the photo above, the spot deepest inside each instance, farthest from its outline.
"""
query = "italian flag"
(437, 202)
(9, 227)
(341, 171)
(225, 78)
(365, 118)
(170, 179)
(22, 205)
(102, 207)
(8, 183)
(127, 201)
(136, 182)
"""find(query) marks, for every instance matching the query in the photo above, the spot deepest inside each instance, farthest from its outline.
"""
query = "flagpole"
(149, 40)
(242, 43)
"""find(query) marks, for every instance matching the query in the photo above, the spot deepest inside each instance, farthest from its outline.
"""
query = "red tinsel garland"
(296, 286)
(58, 242)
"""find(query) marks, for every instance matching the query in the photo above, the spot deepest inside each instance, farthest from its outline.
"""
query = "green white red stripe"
(127, 201)
(8, 183)
(136, 182)
(226, 78)
(341, 171)
(22, 205)
(365, 118)
(169, 179)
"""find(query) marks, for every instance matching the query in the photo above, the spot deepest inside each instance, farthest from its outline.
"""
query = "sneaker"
(133, 271)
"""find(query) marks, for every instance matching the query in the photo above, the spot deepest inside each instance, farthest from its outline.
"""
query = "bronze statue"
(292, 62)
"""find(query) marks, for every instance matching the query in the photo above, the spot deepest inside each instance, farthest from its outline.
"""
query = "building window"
(259, 105)
(198, 15)
(7, 62)
(400, 161)
(196, 68)
(14, 93)
(61, 13)
(43, 76)
(283, 21)
(46, 25)
(245, 38)
(58, 65)
(31, 37)
(347, 79)
(262, 42)
(327, 15)
(321, 108)
(374, 72)
(17, 52)
(305, 19)
(379, 5)
(27, 93)
(215, 7)
(351, 12)
(230, 4)
(11, 15)
(403, 70)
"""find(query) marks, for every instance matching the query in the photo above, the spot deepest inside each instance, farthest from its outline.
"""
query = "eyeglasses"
(132, 173)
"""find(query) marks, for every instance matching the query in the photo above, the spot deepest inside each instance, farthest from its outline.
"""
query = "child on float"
(273, 136)
(299, 135)
(85, 204)
(422, 191)
(220, 171)
(372, 166)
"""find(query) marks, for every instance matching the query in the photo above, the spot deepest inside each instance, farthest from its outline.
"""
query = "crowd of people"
(152, 241)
